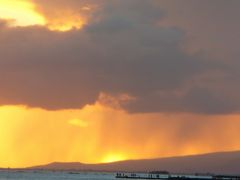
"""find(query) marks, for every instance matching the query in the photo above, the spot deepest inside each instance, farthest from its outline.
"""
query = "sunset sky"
(97, 81)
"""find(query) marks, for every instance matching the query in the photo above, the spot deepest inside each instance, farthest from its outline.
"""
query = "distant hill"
(219, 163)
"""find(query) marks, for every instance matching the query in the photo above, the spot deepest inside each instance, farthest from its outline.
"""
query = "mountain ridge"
(218, 162)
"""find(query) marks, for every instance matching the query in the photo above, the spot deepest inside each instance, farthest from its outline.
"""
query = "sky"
(97, 81)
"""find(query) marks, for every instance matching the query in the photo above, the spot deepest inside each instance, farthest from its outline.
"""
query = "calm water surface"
(44, 175)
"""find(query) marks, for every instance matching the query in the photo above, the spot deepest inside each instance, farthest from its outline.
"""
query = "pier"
(167, 176)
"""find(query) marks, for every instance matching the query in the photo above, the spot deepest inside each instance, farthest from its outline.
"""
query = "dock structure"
(168, 176)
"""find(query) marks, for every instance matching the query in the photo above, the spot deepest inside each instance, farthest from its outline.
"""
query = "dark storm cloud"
(122, 50)
(212, 26)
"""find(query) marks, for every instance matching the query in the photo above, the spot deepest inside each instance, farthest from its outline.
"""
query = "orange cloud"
(28, 13)
(62, 16)
(21, 13)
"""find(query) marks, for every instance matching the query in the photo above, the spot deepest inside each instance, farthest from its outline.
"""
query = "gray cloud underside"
(124, 51)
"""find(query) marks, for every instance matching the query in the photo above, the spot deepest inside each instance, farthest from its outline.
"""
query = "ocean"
(48, 175)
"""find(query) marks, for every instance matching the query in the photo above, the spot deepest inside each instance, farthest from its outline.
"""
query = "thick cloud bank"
(123, 49)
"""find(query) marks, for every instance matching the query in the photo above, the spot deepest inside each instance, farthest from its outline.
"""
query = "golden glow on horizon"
(100, 134)
(113, 158)
(20, 13)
